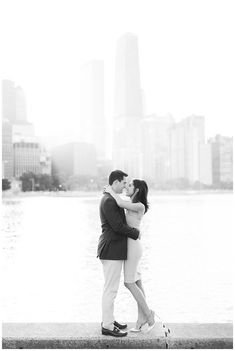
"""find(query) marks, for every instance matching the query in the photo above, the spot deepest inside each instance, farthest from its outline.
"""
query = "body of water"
(51, 273)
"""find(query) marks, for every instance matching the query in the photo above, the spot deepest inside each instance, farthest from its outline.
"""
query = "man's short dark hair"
(116, 175)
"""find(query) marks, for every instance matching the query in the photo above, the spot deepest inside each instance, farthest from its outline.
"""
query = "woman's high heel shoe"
(146, 327)
(137, 329)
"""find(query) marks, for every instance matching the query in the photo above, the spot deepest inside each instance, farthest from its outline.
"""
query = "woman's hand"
(107, 189)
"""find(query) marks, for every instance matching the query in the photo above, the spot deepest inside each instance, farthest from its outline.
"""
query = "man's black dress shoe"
(115, 332)
(120, 326)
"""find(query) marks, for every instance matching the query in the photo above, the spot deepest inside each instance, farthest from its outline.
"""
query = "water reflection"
(52, 273)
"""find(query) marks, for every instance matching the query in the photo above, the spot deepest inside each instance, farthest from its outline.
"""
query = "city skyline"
(128, 107)
(166, 153)
(184, 71)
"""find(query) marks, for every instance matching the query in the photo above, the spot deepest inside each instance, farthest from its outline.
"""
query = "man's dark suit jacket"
(113, 240)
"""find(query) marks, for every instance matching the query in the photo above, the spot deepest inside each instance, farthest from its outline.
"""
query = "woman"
(137, 191)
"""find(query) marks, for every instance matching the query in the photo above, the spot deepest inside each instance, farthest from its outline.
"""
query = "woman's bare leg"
(140, 299)
(141, 317)
(140, 285)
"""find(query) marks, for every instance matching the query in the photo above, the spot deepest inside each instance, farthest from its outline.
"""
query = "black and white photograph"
(117, 174)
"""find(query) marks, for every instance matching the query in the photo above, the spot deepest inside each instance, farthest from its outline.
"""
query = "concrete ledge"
(88, 336)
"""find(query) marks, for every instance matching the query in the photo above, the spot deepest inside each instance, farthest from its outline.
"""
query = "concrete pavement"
(88, 336)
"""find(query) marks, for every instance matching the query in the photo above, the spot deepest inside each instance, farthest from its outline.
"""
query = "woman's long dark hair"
(142, 194)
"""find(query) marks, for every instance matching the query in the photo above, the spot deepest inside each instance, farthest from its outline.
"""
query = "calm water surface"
(51, 273)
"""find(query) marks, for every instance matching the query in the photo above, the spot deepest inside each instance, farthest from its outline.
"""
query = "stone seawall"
(88, 336)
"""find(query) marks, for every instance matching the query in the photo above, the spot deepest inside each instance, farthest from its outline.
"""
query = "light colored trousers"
(112, 274)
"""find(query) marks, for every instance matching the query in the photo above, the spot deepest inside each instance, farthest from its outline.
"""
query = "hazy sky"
(186, 56)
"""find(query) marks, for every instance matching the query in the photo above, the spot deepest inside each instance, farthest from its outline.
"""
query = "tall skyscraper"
(185, 138)
(156, 147)
(26, 157)
(7, 150)
(92, 116)
(205, 164)
(21, 113)
(177, 152)
(13, 102)
(30, 156)
(222, 159)
(128, 93)
(9, 100)
(128, 107)
(14, 110)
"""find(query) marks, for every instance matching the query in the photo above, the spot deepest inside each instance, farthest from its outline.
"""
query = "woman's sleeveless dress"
(134, 250)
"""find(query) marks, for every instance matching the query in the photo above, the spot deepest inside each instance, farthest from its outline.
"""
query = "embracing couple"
(120, 246)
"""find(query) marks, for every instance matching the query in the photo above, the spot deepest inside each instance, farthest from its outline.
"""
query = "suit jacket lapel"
(123, 215)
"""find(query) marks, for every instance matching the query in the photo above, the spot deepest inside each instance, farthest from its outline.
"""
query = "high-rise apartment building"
(128, 93)
(177, 152)
(30, 156)
(22, 152)
(205, 164)
(185, 138)
(7, 150)
(128, 107)
(13, 102)
(92, 116)
(9, 100)
(222, 159)
(21, 112)
(156, 147)
(26, 157)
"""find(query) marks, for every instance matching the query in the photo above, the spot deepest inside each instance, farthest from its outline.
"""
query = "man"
(112, 250)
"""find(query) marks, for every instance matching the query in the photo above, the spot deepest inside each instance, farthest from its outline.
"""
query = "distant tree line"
(6, 184)
(61, 182)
